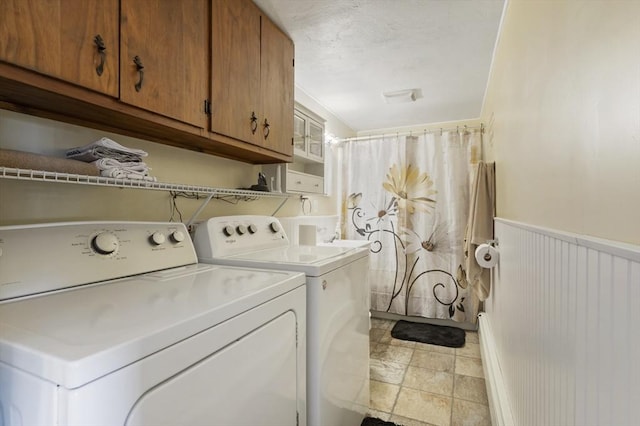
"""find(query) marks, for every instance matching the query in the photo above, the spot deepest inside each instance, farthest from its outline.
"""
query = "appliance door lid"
(312, 260)
(76, 336)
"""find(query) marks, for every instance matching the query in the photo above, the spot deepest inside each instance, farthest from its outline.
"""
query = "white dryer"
(117, 324)
(337, 307)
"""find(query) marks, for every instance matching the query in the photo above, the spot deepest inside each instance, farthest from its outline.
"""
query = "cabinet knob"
(140, 69)
(254, 123)
(101, 52)
(267, 129)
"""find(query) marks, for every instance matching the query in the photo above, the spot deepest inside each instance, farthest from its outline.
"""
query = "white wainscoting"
(564, 318)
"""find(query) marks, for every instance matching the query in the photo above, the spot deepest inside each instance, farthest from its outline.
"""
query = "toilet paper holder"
(487, 254)
(495, 242)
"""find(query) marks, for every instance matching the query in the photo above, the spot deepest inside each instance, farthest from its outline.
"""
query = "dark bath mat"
(374, 421)
(440, 335)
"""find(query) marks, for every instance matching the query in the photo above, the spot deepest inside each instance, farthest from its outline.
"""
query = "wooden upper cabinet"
(235, 70)
(252, 77)
(277, 87)
(65, 39)
(164, 57)
(214, 76)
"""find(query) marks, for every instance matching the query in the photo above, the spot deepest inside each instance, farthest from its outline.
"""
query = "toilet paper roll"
(487, 256)
(307, 235)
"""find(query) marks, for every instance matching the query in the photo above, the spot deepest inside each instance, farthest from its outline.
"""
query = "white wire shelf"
(45, 176)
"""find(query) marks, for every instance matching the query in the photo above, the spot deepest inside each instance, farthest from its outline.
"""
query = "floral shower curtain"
(409, 196)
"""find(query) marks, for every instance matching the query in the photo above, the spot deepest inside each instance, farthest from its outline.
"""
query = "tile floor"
(415, 384)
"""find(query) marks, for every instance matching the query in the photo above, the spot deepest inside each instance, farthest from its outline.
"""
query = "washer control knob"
(177, 236)
(105, 243)
(241, 229)
(274, 227)
(157, 238)
(253, 229)
(228, 230)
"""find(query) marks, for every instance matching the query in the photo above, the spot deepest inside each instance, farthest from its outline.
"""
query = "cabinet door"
(299, 134)
(170, 41)
(235, 70)
(58, 38)
(277, 88)
(316, 141)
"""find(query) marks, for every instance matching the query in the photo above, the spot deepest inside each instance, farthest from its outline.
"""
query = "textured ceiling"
(348, 52)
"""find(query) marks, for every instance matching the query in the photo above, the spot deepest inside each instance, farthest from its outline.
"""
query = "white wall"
(563, 316)
(562, 113)
(30, 202)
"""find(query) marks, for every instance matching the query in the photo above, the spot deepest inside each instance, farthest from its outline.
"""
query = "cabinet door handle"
(101, 52)
(254, 123)
(267, 129)
(140, 69)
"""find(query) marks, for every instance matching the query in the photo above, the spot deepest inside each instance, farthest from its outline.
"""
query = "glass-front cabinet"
(308, 135)
(305, 175)
(299, 134)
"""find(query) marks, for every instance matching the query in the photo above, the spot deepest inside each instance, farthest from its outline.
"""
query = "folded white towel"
(123, 170)
(105, 148)
(110, 163)
(126, 174)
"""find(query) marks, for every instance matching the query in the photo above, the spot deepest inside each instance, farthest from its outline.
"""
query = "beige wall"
(31, 202)
(562, 113)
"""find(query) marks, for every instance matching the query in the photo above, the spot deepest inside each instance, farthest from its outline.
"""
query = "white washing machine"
(117, 324)
(337, 307)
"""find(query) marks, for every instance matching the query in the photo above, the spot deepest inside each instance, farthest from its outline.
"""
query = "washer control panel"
(46, 257)
(231, 235)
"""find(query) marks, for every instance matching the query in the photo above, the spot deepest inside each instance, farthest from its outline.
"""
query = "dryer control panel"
(45, 257)
(231, 235)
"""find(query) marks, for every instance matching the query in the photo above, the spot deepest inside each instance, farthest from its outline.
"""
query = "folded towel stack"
(113, 160)
(110, 167)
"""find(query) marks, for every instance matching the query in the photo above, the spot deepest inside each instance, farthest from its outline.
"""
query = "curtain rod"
(412, 133)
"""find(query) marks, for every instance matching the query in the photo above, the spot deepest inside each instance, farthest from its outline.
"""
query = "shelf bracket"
(279, 207)
(197, 212)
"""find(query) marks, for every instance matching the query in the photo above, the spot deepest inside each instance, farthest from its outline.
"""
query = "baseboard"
(499, 404)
